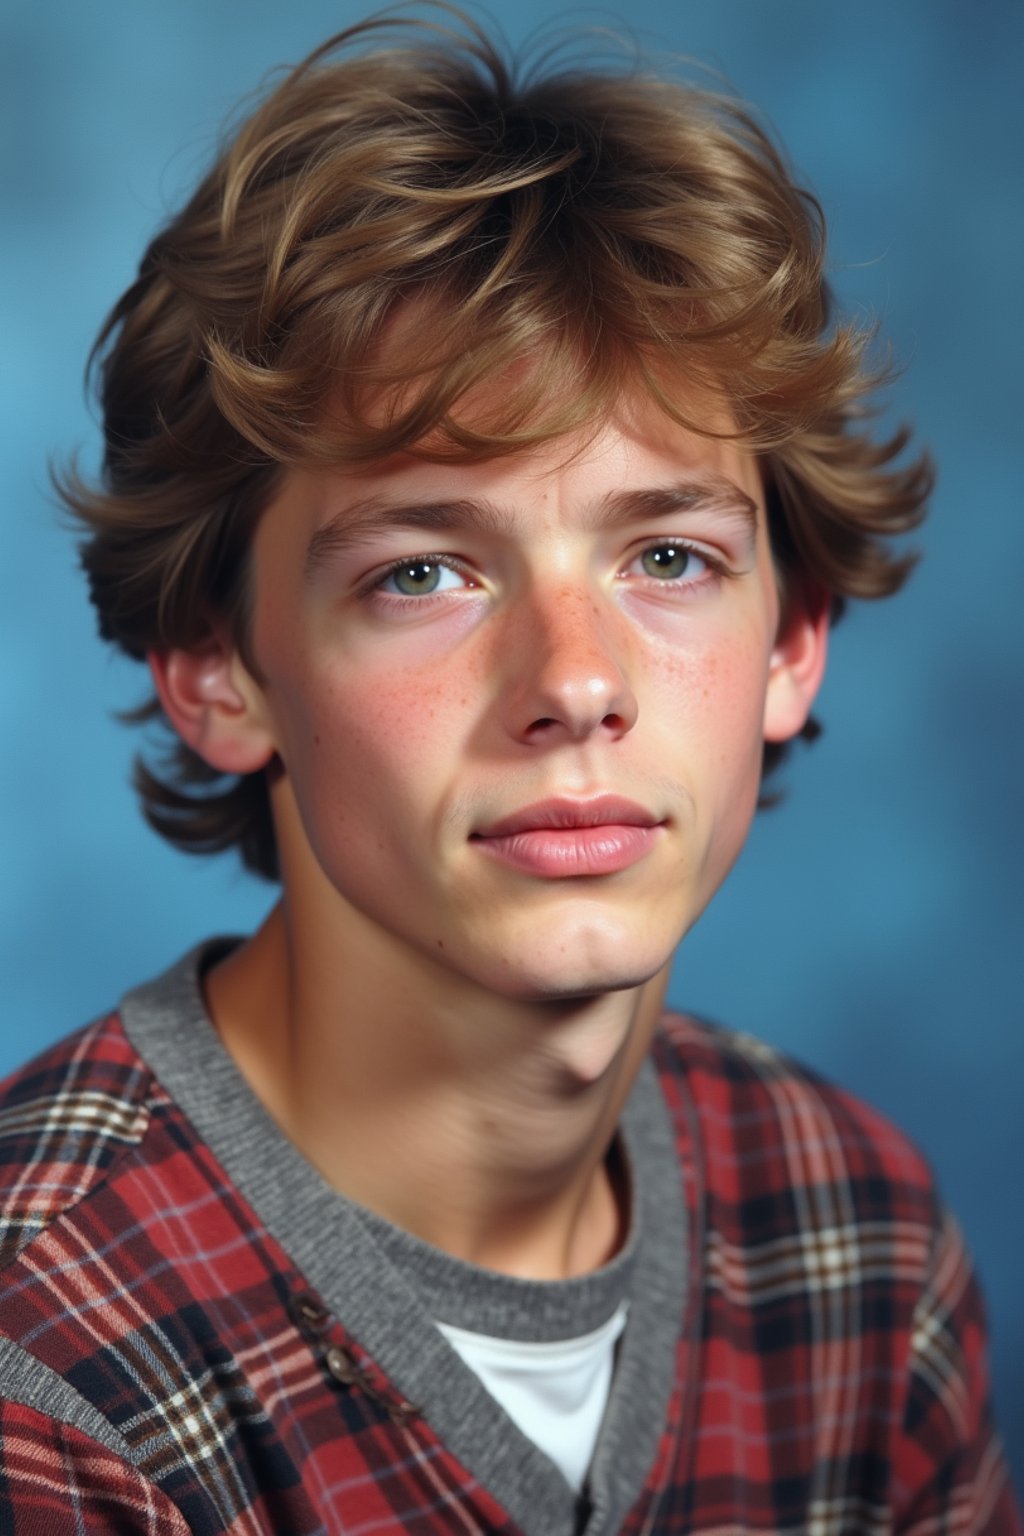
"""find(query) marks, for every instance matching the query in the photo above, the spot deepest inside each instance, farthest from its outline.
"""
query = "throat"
(483, 1128)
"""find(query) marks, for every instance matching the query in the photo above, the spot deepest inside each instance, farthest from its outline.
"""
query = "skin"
(448, 1038)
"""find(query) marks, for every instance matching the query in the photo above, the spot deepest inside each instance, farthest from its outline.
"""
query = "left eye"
(419, 578)
(670, 561)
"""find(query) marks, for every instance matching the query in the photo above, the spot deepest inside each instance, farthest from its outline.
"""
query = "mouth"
(559, 839)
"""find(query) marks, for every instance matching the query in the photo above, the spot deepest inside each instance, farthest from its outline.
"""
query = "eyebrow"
(360, 522)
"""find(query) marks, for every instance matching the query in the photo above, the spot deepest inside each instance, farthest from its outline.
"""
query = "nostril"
(541, 726)
(577, 728)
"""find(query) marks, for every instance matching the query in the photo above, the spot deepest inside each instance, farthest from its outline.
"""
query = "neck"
(481, 1124)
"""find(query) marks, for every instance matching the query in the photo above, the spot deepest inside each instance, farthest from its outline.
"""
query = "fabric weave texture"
(166, 1368)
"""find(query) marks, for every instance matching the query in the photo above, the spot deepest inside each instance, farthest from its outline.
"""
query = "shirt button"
(307, 1313)
(341, 1365)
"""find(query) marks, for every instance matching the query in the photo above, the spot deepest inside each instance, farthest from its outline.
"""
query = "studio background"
(873, 926)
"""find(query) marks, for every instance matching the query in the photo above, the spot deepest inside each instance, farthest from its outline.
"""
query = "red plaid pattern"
(165, 1368)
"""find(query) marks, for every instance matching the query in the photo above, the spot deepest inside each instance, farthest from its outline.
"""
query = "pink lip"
(603, 811)
(563, 838)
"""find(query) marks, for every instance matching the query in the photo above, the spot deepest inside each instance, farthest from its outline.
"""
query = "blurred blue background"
(873, 926)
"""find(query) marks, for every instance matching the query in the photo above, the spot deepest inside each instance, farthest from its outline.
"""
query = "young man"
(481, 478)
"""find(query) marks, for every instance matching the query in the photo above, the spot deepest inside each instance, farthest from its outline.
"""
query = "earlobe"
(797, 665)
(214, 705)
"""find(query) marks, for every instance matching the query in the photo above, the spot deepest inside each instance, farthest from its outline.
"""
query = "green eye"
(417, 577)
(422, 576)
(668, 561)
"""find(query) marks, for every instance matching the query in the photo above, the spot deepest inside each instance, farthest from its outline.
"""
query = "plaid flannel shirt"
(164, 1367)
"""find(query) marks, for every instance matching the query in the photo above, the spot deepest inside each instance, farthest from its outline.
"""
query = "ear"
(797, 663)
(215, 705)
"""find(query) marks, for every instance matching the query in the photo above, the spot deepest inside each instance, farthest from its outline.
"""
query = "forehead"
(636, 461)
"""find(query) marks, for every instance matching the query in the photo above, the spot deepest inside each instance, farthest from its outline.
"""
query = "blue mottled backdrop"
(874, 924)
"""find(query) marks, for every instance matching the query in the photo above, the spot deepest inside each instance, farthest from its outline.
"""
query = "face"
(519, 706)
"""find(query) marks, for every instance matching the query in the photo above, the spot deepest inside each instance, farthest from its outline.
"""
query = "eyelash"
(376, 585)
(715, 568)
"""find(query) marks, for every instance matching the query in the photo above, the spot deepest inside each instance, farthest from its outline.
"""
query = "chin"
(581, 989)
(563, 976)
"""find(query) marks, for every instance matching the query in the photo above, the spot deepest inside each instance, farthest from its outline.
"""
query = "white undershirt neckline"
(554, 1390)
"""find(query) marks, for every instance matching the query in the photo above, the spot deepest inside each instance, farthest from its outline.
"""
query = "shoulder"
(776, 1137)
(831, 1278)
(120, 1237)
(66, 1119)
(70, 1122)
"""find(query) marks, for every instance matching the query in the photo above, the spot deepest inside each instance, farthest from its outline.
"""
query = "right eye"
(421, 578)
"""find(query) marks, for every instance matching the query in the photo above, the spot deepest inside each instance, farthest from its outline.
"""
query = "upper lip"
(603, 810)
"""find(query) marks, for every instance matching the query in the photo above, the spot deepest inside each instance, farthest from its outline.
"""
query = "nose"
(568, 679)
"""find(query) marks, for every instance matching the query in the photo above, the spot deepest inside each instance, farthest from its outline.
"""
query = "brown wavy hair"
(604, 225)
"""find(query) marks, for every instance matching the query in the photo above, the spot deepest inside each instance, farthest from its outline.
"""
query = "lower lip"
(564, 852)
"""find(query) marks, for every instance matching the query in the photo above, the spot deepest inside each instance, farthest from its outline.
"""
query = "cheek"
(359, 737)
(714, 693)
(710, 705)
(417, 713)
(399, 693)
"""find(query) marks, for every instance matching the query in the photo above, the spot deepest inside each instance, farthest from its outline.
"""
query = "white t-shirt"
(555, 1391)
